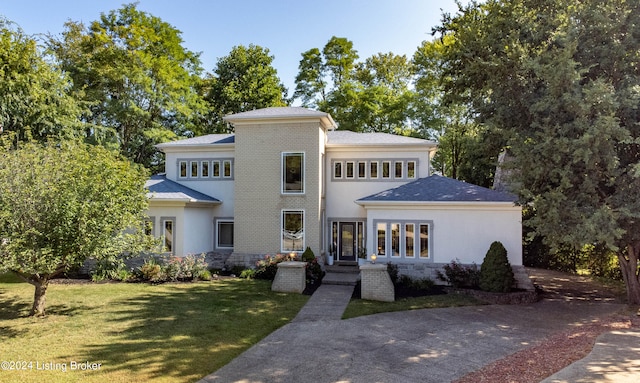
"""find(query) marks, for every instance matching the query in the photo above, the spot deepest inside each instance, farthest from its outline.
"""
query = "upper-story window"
(337, 170)
(293, 173)
(375, 169)
(199, 169)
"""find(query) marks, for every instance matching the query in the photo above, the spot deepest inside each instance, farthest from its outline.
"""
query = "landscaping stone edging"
(513, 298)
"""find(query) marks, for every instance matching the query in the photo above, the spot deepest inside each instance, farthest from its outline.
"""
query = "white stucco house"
(287, 179)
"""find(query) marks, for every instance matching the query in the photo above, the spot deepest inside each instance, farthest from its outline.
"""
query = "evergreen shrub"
(496, 274)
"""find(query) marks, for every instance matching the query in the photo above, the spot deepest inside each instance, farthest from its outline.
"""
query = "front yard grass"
(174, 332)
(360, 307)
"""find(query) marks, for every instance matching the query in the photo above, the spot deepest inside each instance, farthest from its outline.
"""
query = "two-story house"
(287, 179)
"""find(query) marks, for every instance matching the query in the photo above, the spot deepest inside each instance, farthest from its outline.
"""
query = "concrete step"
(350, 269)
(345, 279)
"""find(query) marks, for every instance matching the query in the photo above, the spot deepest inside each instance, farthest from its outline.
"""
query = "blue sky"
(286, 27)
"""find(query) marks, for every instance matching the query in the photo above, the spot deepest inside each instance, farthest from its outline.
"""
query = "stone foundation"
(290, 277)
(376, 284)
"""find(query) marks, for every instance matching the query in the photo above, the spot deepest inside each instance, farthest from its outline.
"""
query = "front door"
(347, 250)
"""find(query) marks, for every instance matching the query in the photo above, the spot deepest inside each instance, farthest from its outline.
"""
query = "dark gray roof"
(209, 139)
(346, 137)
(277, 112)
(160, 188)
(440, 189)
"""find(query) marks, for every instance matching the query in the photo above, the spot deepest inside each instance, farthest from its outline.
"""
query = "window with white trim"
(386, 169)
(194, 169)
(202, 169)
(292, 238)
(182, 169)
(337, 170)
(411, 169)
(168, 234)
(362, 169)
(373, 169)
(226, 167)
(399, 165)
(404, 239)
(204, 166)
(216, 169)
(349, 171)
(293, 173)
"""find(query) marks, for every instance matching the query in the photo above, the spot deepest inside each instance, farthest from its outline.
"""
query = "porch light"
(373, 258)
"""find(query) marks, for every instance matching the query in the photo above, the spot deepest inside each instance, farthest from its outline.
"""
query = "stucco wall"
(198, 230)
(341, 193)
(220, 189)
(462, 232)
(259, 201)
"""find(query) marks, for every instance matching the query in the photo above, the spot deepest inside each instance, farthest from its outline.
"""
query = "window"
(292, 230)
(205, 168)
(337, 170)
(362, 169)
(395, 239)
(424, 241)
(168, 234)
(183, 169)
(409, 240)
(293, 173)
(225, 234)
(411, 169)
(382, 239)
(216, 169)
(350, 173)
(406, 240)
(227, 169)
(386, 171)
(373, 169)
(149, 226)
(194, 169)
(398, 169)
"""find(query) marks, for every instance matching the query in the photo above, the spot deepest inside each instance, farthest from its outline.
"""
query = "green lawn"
(359, 307)
(137, 332)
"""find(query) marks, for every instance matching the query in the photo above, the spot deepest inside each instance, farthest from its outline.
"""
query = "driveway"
(432, 345)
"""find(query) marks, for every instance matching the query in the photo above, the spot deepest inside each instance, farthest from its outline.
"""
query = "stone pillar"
(376, 283)
(290, 277)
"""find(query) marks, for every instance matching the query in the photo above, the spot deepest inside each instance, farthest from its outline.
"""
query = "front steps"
(346, 275)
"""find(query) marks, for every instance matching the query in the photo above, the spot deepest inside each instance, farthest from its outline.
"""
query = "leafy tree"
(136, 78)
(61, 204)
(374, 95)
(561, 79)
(467, 150)
(242, 81)
(34, 95)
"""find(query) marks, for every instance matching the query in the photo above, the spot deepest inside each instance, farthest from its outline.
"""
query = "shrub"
(267, 267)
(393, 272)
(110, 268)
(314, 271)
(151, 271)
(248, 274)
(496, 274)
(203, 275)
(308, 255)
(423, 284)
(460, 276)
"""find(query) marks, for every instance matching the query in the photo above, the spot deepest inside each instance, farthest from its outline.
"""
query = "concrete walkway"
(615, 358)
(434, 345)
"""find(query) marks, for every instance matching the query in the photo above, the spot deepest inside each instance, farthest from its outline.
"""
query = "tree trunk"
(39, 297)
(629, 268)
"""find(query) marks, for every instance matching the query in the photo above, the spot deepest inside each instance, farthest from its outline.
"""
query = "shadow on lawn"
(187, 331)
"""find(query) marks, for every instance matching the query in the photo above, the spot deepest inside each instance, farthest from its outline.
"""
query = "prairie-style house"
(287, 179)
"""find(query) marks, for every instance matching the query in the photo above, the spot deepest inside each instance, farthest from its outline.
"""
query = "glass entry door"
(347, 250)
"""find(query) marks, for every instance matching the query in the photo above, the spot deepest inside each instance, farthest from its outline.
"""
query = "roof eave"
(378, 203)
